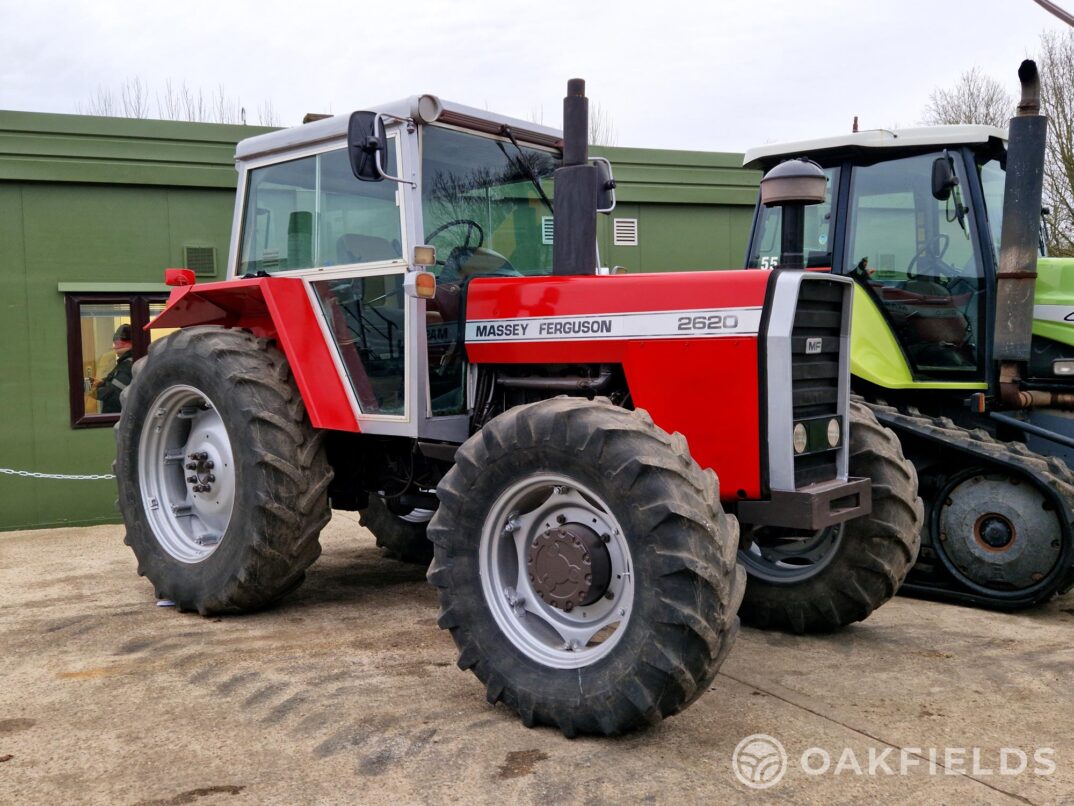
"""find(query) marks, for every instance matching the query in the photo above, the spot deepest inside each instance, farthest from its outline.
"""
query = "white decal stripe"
(1054, 313)
(690, 324)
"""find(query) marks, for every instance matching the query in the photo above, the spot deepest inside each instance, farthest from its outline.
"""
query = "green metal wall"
(693, 209)
(87, 204)
(99, 204)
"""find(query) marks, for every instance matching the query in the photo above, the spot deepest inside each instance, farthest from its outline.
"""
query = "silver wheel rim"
(545, 634)
(417, 516)
(792, 558)
(186, 473)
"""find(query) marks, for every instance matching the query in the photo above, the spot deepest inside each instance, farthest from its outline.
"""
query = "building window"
(105, 336)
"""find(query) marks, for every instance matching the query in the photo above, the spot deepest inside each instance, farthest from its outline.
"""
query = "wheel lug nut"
(192, 479)
(210, 478)
(561, 518)
(191, 466)
(209, 465)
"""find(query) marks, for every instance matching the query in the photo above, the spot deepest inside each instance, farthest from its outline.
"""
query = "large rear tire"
(403, 537)
(222, 479)
(585, 567)
(824, 581)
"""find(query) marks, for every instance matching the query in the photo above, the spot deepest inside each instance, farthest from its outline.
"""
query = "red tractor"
(410, 331)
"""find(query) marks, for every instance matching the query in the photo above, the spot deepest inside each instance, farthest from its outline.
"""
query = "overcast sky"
(716, 75)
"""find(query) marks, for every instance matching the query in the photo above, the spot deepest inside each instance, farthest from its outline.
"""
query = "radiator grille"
(815, 354)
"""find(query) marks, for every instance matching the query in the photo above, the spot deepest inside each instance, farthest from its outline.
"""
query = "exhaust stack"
(574, 245)
(1017, 272)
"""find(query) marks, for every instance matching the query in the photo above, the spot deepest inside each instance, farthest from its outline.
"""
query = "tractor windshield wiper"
(525, 166)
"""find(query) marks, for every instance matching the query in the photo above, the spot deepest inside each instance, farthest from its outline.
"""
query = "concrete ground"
(348, 692)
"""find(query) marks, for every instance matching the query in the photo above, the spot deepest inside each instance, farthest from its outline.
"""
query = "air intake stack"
(574, 248)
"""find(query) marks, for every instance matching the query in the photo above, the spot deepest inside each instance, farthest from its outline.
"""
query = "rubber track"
(1051, 474)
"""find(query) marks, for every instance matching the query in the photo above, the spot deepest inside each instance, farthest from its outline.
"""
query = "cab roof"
(421, 109)
(858, 142)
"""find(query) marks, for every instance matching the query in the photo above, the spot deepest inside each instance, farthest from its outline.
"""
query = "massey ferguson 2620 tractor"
(409, 330)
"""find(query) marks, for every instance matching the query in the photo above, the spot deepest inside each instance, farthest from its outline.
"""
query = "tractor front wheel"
(222, 480)
(585, 567)
(822, 581)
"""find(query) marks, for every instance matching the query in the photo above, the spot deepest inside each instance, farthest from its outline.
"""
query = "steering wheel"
(933, 251)
(461, 222)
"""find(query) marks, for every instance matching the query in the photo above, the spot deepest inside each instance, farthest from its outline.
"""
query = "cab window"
(312, 213)
(915, 254)
(817, 243)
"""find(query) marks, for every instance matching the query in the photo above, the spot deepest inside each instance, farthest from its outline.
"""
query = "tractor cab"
(914, 217)
(472, 185)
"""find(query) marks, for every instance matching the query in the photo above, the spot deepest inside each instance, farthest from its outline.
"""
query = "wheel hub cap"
(569, 566)
(998, 532)
(994, 532)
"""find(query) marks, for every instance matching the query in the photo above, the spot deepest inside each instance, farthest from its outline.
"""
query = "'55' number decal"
(714, 321)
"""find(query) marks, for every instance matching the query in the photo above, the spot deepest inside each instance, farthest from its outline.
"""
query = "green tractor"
(963, 332)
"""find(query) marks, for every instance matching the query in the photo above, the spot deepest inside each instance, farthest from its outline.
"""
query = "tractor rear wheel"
(823, 581)
(585, 567)
(403, 537)
(222, 479)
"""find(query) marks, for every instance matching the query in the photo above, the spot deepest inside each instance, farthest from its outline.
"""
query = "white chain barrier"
(29, 474)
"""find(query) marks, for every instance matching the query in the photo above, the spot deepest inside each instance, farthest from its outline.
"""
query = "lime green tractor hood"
(1053, 312)
(876, 356)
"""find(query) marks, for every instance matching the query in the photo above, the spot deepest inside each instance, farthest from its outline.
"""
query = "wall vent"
(625, 232)
(548, 229)
(200, 259)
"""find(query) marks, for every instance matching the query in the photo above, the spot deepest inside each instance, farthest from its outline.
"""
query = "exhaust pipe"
(1016, 274)
(577, 183)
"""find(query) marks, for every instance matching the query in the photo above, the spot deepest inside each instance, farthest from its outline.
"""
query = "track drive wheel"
(403, 537)
(222, 480)
(585, 567)
(822, 581)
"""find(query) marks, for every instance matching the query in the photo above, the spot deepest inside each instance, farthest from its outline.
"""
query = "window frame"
(242, 199)
(139, 317)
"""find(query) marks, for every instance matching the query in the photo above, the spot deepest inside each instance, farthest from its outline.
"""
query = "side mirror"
(367, 146)
(605, 185)
(943, 178)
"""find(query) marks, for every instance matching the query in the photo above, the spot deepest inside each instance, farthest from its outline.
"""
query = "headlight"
(801, 438)
(835, 433)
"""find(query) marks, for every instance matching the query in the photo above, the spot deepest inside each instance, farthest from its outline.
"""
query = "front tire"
(822, 582)
(222, 479)
(585, 567)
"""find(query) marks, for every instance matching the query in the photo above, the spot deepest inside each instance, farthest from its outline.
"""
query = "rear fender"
(276, 308)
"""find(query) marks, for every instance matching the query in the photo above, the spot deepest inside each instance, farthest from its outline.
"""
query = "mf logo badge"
(813, 346)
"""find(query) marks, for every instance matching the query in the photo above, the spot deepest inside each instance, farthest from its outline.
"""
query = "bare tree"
(602, 131)
(102, 102)
(975, 98)
(1056, 63)
(174, 102)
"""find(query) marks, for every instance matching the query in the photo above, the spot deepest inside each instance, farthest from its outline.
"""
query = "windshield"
(312, 213)
(480, 207)
(817, 245)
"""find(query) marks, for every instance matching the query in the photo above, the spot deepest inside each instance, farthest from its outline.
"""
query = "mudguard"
(276, 308)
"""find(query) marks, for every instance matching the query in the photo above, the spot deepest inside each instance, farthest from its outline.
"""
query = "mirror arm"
(377, 158)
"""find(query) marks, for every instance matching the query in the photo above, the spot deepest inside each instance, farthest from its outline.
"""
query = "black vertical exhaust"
(1016, 274)
(576, 184)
